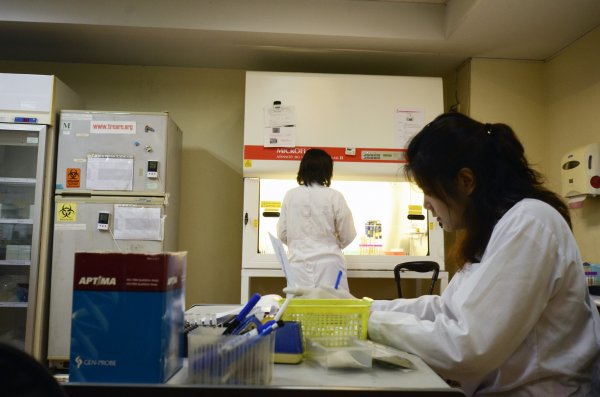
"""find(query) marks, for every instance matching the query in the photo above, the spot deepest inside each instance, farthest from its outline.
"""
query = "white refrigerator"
(117, 190)
(29, 107)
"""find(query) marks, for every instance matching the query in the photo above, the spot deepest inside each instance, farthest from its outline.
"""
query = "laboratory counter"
(293, 380)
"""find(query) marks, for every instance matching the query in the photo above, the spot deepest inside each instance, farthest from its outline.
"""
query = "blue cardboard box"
(127, 318)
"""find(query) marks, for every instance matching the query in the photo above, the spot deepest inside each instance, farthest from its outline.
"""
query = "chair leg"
(398, 287)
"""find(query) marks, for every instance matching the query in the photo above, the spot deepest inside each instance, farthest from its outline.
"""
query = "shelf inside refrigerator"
(15, 221)
(13, 304)
(17, 181)
(15, 262)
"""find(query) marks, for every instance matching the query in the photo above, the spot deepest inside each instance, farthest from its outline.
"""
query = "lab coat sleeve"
(281, 222)
(479, 325)
(424, 307)
(344, 223)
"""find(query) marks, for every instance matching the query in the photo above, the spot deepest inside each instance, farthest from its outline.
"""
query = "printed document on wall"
(138, 223)
(409, 121)
(280, 136)
(280, 116)
(280, 126)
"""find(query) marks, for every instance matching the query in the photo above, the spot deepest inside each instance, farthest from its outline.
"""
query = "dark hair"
(316, 167)
(503, 175)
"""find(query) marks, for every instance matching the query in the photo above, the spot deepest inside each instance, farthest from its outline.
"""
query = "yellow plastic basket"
(330, 317)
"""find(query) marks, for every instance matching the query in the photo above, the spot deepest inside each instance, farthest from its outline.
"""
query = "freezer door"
(22, 220)
(117, 153)
(116, 224)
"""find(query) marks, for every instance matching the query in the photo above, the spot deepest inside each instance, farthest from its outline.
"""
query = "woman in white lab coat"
(316, 224)
(517, 318)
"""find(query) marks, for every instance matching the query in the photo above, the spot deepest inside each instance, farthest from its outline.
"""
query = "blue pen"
(242, 314)
(339, 278)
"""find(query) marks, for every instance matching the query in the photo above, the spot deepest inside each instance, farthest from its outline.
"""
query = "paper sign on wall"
(132, 222)
(280, 136)
(408, 123)
(109, 172)
(280, 126)
(280, 116)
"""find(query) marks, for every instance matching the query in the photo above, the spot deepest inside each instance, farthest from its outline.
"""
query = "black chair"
(21, 375)
(417, 266)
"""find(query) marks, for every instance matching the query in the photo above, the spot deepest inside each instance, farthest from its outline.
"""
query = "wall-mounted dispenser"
(580, 174)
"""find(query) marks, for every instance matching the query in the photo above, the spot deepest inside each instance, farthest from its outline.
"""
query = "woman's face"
(450, 213)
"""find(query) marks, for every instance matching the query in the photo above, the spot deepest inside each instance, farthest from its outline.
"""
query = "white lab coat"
(519, 323)
(316, 223)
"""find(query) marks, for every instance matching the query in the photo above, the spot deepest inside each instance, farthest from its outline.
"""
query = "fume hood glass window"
(388, 216)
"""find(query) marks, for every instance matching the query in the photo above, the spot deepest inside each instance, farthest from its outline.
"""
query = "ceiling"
(400, 37)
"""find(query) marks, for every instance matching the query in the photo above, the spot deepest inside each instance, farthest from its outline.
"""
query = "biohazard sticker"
(66, 212)
(73, 177)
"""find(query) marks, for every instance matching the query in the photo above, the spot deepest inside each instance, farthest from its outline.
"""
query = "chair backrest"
(417, 266)
(23, 375)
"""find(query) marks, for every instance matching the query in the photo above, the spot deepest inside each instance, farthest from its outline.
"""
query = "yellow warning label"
(415, 210)
(66, 212)
(247, 163)
(431, 225)
(270, 204)
(255, 223)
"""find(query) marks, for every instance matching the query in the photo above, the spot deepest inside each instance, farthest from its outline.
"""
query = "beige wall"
(511, 92)
(208, 106)
(553, 107)
(572, 119)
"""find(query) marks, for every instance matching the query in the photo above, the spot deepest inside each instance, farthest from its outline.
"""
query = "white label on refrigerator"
(137, 223)
(112, 127)
(109, 172)
(76, 116)
(70, 226)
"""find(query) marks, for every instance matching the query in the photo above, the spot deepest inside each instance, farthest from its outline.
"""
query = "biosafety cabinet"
(29, 107)
(364, 123)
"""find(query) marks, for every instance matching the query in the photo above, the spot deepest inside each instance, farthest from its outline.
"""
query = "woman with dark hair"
(316, 224)
(517, 318)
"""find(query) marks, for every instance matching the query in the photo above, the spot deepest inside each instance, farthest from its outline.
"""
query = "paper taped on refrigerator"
(138, 223)
(109, 172)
